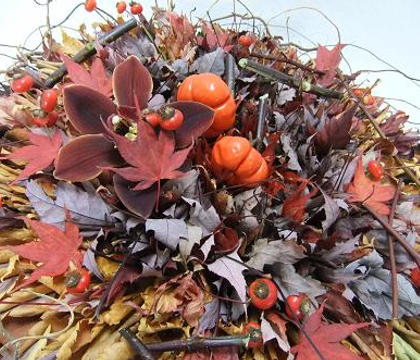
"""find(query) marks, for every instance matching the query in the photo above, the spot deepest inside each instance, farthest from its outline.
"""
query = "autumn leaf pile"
(171, 246)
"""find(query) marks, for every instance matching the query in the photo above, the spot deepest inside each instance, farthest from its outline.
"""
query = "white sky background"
(388, 28)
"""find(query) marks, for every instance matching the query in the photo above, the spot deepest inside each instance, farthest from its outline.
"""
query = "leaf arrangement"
(174, 230)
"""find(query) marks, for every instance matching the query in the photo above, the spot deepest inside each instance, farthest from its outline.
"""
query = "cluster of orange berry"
(135, 8)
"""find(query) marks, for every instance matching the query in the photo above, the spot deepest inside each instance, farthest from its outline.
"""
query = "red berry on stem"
(121, 7)
(263, 293)
(298, 305)
(23, 84)
(78, 281)
(171, 119)
(136, 8)
(376, 170)
(90, 5)
(245, 40)
(49, 100)
(153, 118)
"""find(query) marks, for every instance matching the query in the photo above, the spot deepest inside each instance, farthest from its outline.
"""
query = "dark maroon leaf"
(140, 203)
(335, 133)
(82, 158)
(132, 83)
(197, 119)
(127, 112)
(87, 108)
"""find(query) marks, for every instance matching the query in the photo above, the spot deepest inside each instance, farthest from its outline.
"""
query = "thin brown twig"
(246, 17)
(403, 242)
(284, 59)
(392, 261)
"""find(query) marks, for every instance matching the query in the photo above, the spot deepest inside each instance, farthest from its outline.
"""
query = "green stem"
(89, 50)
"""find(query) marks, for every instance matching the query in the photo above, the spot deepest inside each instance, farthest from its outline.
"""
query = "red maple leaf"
(368, 192)
(326, 339)
(152, 158)
(96, 79)
(39, 155)
(294, 204)
(54, 249)
(328, 61)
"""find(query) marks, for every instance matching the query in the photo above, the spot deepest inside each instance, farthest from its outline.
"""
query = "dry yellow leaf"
(22, 296)
(71, 46)
(148, 325)
(27, 310)
(15, 236)
(70, 338)
(37, 348)
(118, 311)
(106, 267)
(109, 346)
(11, 268)
(36, 330)
(56, 283)
(5, 256)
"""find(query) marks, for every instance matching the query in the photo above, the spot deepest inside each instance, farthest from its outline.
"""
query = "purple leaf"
(231, 270)
(89, 260)
(168, 231)
(87, 108)
(210, 317)
(266, 252)
(331, 209)
(82, 158)
(206, 218)
(292, 283)
(197, 119)
(140, 203)
(132, 83)
(86, 208)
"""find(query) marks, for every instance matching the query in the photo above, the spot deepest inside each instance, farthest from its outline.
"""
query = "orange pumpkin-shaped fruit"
(210, 90)
(236, 162)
